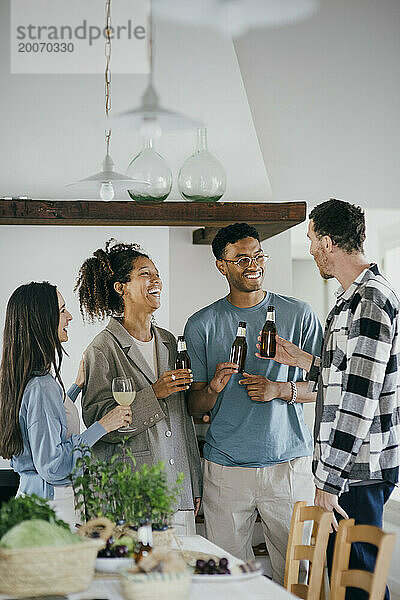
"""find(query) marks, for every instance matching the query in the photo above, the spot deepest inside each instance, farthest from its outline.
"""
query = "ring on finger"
(173, 377)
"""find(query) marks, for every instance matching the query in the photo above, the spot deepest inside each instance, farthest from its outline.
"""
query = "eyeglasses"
(245, 261)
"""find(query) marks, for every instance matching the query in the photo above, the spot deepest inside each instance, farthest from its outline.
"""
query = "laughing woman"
(122, 282)
(39, 425)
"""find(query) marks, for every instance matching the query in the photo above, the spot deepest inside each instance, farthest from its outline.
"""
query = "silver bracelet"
(294, 393)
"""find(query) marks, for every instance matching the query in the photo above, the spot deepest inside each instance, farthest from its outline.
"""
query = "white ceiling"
(324, 95)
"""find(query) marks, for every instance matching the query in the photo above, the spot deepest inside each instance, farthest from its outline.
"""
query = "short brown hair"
(342, 221)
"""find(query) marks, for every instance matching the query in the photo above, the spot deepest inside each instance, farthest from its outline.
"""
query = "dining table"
(253, 586)
(247, 586)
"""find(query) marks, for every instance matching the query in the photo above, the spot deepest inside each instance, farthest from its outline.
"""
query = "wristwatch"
(294, 393)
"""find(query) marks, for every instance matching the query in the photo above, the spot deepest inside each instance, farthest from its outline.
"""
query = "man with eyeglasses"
(258, 448)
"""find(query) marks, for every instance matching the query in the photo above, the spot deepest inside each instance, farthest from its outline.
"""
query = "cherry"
(211, 563)
(121, 551)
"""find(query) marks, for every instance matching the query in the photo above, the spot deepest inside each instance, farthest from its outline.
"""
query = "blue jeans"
(364, 504)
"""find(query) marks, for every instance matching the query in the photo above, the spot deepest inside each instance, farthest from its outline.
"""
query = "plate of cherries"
(116, 555)
(211, 570)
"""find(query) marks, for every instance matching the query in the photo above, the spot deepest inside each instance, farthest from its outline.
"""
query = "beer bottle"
(145, 539)
(182, 358)
(239, 347)
(268, 335)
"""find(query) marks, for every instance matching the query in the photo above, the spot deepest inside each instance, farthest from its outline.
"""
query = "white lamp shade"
(106, 183)
(234, 17)
(150, 118)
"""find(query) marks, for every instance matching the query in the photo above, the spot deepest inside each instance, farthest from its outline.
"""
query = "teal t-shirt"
(244, 432)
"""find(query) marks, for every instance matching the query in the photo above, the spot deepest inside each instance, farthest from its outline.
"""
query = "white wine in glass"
(124, 393)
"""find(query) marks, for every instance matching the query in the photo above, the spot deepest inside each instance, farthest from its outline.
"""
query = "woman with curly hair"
(121, 282)
(39, 425)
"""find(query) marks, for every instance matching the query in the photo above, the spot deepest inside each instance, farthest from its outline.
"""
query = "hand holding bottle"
(288, 353)
(222, 375)
(171, 382)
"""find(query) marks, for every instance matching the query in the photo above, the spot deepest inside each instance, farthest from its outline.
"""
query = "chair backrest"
(342, 577)
(314, 553)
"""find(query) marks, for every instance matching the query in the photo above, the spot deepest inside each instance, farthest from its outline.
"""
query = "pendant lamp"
(106, 183)
(150, 118)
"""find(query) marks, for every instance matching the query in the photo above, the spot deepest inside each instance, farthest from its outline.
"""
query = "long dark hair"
(31, 346)
(95, 284)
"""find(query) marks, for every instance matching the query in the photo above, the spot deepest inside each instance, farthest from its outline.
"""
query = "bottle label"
(145, 535)
(181, 346)
(270, 315)
(241, 332)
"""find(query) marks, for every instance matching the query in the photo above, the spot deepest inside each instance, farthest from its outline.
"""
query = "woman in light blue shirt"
(33, 420)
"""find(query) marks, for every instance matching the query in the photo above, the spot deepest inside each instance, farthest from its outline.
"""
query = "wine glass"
(124, 394)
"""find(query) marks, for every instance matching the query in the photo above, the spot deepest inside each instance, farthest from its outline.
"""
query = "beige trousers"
(183, 522)
(233, 495)
(64, 506)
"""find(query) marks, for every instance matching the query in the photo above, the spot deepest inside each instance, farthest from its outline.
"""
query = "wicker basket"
(164, 539)
(105, 528)
(48, 570)
(100, 526)
(148, 586)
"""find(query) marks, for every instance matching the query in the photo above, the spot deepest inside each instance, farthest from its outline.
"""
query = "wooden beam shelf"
(270, 218)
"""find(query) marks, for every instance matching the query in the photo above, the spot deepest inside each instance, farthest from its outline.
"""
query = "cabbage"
(36, 532)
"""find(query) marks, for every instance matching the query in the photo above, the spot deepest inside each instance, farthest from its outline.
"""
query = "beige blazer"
(165, 430)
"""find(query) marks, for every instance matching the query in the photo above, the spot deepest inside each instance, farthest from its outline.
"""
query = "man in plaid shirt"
(357, 422)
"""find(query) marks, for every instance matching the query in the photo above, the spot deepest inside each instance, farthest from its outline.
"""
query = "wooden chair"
(314, 553)
(324, 593)
(342, 577)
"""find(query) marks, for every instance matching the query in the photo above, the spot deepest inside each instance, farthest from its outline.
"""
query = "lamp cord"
(107, 72)
(150, 46)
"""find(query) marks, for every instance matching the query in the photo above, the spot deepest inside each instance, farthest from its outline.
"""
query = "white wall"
(324, 97)
(383, 227)
(310, 287)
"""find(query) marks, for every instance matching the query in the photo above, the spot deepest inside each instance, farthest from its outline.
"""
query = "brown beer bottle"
(268, 335)
(145, 539)
(182, 358)
(239, 347)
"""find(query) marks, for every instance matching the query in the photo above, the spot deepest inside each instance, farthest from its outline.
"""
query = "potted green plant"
(124, 494)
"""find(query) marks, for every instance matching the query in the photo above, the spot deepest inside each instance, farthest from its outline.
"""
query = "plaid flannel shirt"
(358, 383)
